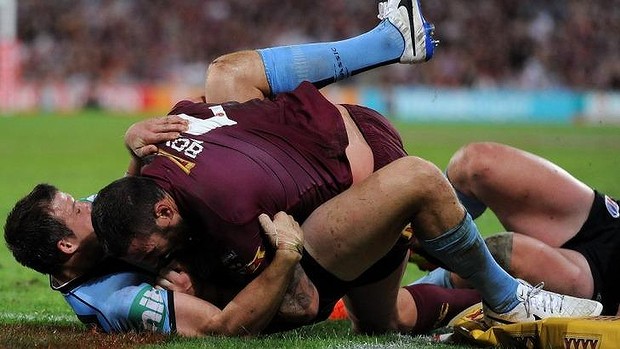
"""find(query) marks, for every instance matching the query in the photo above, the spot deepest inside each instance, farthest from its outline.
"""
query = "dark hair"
(32, 233)
(124, 210)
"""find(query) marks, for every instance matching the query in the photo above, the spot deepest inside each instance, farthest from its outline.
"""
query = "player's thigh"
(355, 229)
(373, 308)
(529, 194)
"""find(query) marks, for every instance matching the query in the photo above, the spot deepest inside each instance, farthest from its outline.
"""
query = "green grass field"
(82, 153)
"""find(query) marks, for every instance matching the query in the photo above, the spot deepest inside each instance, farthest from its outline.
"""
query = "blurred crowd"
(525, 44)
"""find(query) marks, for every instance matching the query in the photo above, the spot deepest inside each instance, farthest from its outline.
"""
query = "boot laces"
(548, 302)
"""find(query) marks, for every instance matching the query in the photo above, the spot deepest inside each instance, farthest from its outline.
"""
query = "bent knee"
(223, 69)
(238, 76)
(416, 171)
(472, 164)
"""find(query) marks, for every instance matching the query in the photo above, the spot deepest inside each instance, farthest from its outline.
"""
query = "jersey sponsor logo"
(407, 233)
(443, 312)
(183, 164)
(149, 309)
(233, 262)
(259, 257)
(612, 207)
(201, 126)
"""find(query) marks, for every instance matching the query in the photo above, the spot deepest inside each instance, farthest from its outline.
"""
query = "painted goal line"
(35, 317)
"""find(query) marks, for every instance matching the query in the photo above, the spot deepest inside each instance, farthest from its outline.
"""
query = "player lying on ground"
(293, 153)
(570, 228)
(119, 298)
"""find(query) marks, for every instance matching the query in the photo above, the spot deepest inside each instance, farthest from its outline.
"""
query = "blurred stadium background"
(503, 60)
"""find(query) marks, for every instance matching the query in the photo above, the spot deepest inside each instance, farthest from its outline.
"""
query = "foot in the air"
(406, 16)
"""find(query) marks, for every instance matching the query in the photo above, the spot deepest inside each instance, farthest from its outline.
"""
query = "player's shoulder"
(98, 289)
(122, 301)
(144, 307)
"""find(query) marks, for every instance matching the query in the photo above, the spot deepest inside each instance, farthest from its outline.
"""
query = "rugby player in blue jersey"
(56, 238)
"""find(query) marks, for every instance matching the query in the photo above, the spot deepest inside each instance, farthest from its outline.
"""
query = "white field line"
(35, 317)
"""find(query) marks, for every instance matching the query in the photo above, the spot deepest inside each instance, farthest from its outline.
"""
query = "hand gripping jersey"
(117, 297)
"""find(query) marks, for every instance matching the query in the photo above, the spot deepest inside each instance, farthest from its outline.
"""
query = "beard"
(178, 235)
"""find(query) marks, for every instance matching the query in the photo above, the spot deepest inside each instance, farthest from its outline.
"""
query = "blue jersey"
(117, 297)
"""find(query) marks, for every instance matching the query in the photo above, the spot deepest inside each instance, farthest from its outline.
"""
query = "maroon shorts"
(381, 136)
(387, 146)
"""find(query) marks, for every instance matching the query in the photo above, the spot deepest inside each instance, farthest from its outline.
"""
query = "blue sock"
(463, 250)
(324, 63)
(473, 206)
(439, 277)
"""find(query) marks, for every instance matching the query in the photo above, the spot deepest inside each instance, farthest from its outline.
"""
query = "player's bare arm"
(255, 306)
(299, 305)
(301, 301)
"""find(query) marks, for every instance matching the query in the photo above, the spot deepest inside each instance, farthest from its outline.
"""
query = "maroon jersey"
(239, 160)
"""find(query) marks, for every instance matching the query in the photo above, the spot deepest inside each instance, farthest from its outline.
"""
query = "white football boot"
(537, 304)
(406, 16)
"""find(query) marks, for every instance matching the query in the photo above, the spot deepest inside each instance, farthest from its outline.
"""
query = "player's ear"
(66, 245)
(165, 212)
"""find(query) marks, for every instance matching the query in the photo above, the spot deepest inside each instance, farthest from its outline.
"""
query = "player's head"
(137, 220)
(47, 227)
